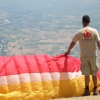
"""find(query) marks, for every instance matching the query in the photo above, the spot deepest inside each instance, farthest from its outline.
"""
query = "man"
(88, 38)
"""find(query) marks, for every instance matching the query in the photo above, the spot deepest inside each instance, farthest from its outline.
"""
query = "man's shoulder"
(90, 29)
(93, 29)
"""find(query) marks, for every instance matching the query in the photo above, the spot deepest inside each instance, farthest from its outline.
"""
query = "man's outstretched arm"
(98, 44)
(70, 47)
(74, 40)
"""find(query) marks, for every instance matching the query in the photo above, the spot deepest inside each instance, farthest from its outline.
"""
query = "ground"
(80, 98)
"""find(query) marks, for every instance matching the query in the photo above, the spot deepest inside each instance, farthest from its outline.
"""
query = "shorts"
(89, 65)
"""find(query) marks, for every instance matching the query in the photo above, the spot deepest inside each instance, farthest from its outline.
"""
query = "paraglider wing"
(40, 77)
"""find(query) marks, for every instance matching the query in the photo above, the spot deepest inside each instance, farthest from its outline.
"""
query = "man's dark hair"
(86, 19)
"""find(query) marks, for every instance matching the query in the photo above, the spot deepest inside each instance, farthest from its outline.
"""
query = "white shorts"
(89, 65)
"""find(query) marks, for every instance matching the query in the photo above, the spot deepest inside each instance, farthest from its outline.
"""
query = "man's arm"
(97, 38)
(98, 44)
(70, 47)
(74, 40)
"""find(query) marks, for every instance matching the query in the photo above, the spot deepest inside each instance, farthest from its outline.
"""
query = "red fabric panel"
(38, 64)
(98, 74)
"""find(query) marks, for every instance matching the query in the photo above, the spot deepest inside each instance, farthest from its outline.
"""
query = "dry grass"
(80, 98)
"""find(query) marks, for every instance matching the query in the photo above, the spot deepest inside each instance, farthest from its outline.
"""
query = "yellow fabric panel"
(65, 89)
(75, 87)
(81, 85)
(48, 89)
(4, 96)
(37, 89)
(91, 84)
(4, 89)
(44, 90)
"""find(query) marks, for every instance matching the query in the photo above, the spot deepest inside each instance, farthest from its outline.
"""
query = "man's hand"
(70, 47)
(67, 53)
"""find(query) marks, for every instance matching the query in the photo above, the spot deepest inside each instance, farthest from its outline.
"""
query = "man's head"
(85, 20)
